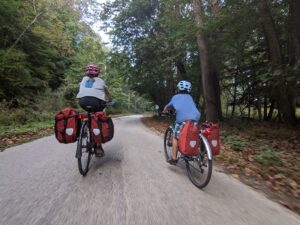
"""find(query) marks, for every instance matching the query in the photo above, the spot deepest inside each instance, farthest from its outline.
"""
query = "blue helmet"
(184, 85)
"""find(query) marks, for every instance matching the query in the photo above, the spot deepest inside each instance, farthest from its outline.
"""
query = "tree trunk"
(198, 91)
(265, 108)
(180, 59)
(271, 36)
(282, 91)
(208, 86)
(234, 94)
(181, 69)
(294, 31)
(272, 107)
(259, 108)
(215, 60)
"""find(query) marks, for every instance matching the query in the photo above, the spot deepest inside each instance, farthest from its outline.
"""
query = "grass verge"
(14, 135)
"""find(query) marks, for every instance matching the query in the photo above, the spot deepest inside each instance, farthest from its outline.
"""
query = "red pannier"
(212, 133)
(66, 126)
(102, 128)
(189, 141)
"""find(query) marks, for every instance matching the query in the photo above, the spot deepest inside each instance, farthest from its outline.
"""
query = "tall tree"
(283, 93)
(207, 81)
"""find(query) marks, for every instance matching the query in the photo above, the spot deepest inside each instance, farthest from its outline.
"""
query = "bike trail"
(132, 184)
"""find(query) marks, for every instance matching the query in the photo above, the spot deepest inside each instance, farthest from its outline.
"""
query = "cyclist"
(94, 93)
(185, 109)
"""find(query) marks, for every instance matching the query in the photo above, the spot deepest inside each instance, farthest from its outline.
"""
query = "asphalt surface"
(132, 184)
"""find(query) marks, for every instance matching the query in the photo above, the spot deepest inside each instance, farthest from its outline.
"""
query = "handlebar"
(112, 103)
(167, 114)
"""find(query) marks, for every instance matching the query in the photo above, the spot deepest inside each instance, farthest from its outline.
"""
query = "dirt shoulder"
(263, 156)
(10, 140)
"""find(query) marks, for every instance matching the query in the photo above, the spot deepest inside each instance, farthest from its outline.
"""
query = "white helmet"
(184, 85)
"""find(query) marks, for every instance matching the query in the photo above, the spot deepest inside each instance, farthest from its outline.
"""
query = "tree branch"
(26, 29)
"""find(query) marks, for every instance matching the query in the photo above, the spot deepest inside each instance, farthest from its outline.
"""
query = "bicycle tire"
(168, 143)
(193, 163)
(84, 147)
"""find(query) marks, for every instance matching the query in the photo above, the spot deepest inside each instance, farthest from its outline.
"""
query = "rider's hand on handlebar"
(111, 103)
(168, 111)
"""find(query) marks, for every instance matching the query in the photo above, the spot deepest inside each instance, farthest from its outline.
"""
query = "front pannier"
(102, 128)
(66, 126)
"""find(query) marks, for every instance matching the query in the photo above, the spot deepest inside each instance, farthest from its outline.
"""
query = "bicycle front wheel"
(84, 149)
(199, 168)
(168, 143)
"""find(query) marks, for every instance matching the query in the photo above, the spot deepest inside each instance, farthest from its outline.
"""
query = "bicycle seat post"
(89, 113)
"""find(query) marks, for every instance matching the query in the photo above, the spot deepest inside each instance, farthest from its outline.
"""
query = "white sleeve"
(104, 84)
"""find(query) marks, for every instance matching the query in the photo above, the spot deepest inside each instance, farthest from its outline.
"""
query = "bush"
(10, 117)
(236, 143)
(50, 102)
(43, 109)
(269, 157)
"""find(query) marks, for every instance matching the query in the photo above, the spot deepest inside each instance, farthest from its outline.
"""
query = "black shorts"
(92, 104)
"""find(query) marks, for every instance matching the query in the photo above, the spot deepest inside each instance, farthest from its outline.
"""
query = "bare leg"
(174, 148)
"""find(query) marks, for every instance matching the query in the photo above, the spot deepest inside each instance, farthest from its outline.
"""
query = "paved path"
(132, 184)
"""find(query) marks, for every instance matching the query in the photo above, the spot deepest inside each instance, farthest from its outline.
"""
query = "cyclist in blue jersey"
(185, 108)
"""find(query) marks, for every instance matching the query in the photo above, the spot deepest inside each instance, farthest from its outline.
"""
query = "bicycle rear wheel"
(168, 143)
(199, 168)
(84, 149)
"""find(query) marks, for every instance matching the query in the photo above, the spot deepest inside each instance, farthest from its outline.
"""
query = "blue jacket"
(185, 108)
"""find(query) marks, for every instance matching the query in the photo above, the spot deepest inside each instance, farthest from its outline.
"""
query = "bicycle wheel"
(199, 168)
(168, 143)
(84, 149)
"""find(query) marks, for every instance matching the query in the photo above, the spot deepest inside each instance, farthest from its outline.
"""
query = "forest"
(241, 56)
(44, 49)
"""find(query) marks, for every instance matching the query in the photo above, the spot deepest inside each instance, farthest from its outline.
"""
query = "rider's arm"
(169, 106)
(109, 98)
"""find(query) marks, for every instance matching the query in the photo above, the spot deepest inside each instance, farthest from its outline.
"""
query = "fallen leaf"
(296, 193)
(269, 184)
(248, 172)
(292, 184)
(235, 175)
(279, 176)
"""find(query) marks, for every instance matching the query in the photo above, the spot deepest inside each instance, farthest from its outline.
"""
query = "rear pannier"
(189, 141)
(212, 133)
(102, 128)
(66, 126)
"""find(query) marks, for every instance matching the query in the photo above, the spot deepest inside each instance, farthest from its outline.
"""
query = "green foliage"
(235, 142)
(269, 157)
(28, 127)
(155, 37)
(42, 43)
(150, 37)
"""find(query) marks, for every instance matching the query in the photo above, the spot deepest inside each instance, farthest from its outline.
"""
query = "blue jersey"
(185, 108)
